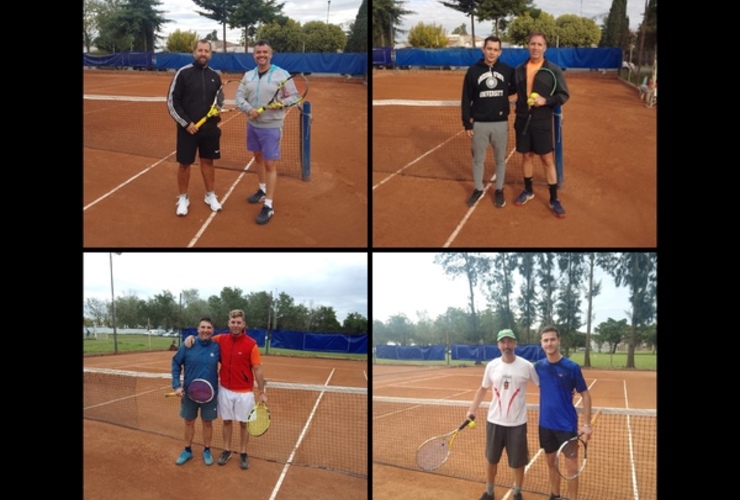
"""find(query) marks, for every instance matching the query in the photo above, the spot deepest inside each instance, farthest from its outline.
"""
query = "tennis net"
(426, 139)
(312, 425)
(621, 454)
(142, 126)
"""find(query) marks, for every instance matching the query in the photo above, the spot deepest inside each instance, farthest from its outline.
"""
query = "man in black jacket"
(189, 98)
(485, 114)
(534, 112)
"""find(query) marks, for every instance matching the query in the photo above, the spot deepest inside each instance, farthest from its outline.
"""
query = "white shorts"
(234, 405)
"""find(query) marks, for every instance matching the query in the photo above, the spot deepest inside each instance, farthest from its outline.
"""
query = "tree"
(387, 16)
(593, 289)
(616, 27)
(499, 10)
(112, 36)
(283, 38)
(142, 20)
(400, 329)
(467, 7)
(473, 267)
(322, 37)
(354, 323)
(500, 286)
(532, 20)
(212, 36)
(96, 309)
(527, 294)
(460, 30)
(612, 333)
(574, 31)
(428, 36)
(571, 265)
(637, 270)
(546, 281)
(218, 10)
(181, 41)
(90, 9)
(357, 40)
(249, 14)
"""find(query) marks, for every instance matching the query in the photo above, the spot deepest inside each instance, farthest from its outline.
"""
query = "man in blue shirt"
(199, 362)
(560, 378)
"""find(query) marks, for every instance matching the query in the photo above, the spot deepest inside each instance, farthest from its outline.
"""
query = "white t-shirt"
(508, 384)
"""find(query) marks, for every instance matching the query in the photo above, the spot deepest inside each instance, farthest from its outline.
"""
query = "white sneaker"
(183, 202)
(213, 202)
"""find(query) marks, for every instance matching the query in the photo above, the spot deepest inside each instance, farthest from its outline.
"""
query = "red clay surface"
(610, 179)
(121, 463)
(608, 389)
(329, 211)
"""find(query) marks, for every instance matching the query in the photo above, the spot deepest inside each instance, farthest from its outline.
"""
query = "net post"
(306, 141)
(558, 126)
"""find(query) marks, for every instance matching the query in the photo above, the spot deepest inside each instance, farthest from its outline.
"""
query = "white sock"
(268, 203)
(263, 187)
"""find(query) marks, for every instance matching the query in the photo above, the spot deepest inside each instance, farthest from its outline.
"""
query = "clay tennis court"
(610, 180)
(464, 476)
(129, 200)
(124, 463)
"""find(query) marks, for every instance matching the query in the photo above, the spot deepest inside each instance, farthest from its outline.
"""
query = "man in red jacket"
(241, 367)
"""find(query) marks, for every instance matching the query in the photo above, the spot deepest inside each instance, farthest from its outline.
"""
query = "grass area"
(644, 360)
(143, 343)
(127, 343)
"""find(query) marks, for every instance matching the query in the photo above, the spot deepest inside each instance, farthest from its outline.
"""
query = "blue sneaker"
(184, 457)
(557, 209)
(207, 458)
(523, 198)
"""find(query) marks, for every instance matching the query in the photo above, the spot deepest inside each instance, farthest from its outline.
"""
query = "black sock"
(553, 191)
(243, 455)
(188, 449)
(528, 184)
(207, 448)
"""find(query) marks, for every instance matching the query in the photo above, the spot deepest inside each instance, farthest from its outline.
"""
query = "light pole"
(328, 8)
(113, 304)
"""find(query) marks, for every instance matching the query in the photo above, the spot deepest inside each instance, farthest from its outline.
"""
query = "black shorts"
(550, 440)
(206, 141)
(539, 138)
(514, 439)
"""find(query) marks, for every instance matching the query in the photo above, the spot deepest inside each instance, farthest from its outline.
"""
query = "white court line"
(631, 448)
(298, 443)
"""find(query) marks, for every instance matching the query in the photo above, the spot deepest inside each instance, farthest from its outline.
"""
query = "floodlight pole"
(113, 304)
(328, 8)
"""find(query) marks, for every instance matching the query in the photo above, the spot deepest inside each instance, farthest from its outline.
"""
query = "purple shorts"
(265, 141)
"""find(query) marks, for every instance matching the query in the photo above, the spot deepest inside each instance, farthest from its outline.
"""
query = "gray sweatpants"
(497, 135)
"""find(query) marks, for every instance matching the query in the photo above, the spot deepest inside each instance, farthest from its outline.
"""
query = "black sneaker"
(225, 456)
(553, 496)
(486, 496)
(518, 496)
(265, 215)
(243, 461)
(474, 197)
(500, 201)
(257, 197)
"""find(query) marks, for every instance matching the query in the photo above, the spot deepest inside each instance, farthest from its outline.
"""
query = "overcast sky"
(433, 12)
(185, 18)
(411, 282)
(338, 280)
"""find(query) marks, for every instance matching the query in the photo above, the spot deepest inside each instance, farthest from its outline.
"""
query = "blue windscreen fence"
(587, 58)
(458, 352)
(354, 64)
(301, 341)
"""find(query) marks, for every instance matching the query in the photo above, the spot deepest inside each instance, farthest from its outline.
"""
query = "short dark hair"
(203, 40)
(206, 318)
(262, 41)
(550, 328)
(536, 33)
(492, 38)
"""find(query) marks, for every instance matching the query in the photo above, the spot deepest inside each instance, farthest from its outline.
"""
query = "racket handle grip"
(170, 395)
(200, 122)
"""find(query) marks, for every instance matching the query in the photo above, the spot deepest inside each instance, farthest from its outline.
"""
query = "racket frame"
(214, 109)
(275, 103)
(578, 441)
(258, 407)
(444, 437)
(552, 92)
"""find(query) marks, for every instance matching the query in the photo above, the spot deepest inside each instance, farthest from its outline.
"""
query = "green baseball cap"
(505, 333)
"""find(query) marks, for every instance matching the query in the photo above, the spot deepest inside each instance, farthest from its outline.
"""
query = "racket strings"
(432, 454)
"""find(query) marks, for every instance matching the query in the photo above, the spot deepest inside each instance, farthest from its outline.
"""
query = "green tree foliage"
(575, 31)
(218, 10)
(250, 14)
(427, 36)
(128, 24)
(212, 36)
(616, 28)
(499, 11)
(322, 37)
(181, 41)
(650, 24)
(357, 40)
(386, 16)
(90, 10)
(532, 20)
(572, 269)
(401, 329)
(612, 333)
(287, 37)
(354, 323)
(526, 302)
(460, 30)
(500, 286)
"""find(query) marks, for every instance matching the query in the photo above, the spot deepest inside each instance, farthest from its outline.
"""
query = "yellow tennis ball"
(534, 95)
(471, 424)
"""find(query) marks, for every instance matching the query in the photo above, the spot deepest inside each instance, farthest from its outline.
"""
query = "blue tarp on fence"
(460, 352)
(308, 62)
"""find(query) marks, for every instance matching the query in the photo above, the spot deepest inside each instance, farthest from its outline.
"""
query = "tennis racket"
(544, 83)
(199, 390)
(258, 421)
(290, 92)
(435, 451)
(570, 460)
(215, 109)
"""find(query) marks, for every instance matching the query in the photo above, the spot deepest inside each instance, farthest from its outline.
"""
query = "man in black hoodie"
(485, 114)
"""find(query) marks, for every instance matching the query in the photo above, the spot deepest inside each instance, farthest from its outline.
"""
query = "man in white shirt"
(506, 424)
